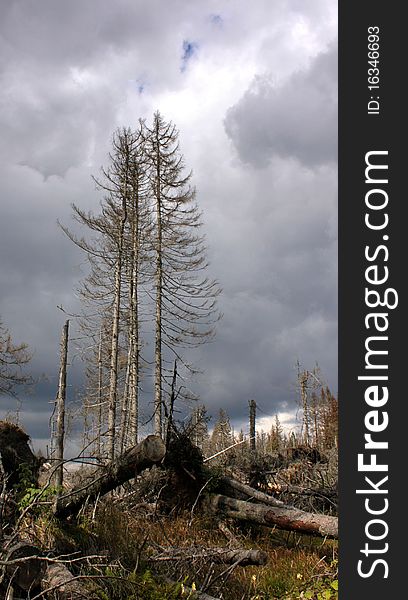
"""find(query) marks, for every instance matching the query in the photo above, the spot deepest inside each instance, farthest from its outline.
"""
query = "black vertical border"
(359, 133)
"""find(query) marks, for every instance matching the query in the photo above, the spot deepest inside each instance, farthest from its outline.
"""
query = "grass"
(298, 566)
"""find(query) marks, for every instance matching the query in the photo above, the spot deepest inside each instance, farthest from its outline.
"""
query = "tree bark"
(60, 402)
(232, 485)
(113, 373)
(62, 585)
(27, 570)
(252, 420)
(113, 377)
(100, 397)
(159, 291)
(134, 316)
(149, 452)
(124, 419)
(287, 518)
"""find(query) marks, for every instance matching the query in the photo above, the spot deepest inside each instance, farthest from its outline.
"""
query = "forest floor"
(129, 544)
(156, 536)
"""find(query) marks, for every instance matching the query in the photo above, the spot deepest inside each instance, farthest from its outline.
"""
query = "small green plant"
(323, 590)
(119, 585)
(25, 478)
(28, 493)
(152, 590)
(42, 495)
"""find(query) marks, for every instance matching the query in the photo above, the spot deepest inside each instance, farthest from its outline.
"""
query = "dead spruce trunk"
(233, 486)
(59, 583)
(24, 565)
(60, 408)
(145, 454)
(287, 518)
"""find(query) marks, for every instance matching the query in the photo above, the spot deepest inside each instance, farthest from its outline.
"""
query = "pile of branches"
(185, 484)
(303, 478)
(308, 485)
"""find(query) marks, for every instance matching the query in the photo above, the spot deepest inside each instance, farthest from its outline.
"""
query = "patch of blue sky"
(138, 84)
(216, 20)
(189, 50)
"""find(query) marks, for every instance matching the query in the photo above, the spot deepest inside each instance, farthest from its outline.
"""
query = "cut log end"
(154, 448)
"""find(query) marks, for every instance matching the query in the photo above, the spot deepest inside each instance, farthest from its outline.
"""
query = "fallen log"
(216, 555)
(233, 485)
(145, 454)
(23, 565)
(59, 583)
(287, 518)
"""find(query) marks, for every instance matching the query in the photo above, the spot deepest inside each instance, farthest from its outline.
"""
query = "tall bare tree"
(60, 408)
(139, 231)
(146, 264)
(185, 298)
(114, 261)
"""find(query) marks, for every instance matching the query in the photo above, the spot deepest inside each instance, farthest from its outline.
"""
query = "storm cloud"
(297, 119)
(253, 93)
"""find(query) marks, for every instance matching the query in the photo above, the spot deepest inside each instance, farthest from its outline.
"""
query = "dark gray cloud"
(278, 269)
(70, 73)
(294, 119)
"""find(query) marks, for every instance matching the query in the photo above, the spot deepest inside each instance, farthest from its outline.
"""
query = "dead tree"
(60, 407)
(248, 493)
(113, 256)
(142, 456)
(185, 300)
(99, 397)
(252, 420)
(287, 518)
(303, 379)
(113, 378)
(23, 565)
(58, 582)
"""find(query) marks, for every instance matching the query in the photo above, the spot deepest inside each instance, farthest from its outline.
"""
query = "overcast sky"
(252, 89)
